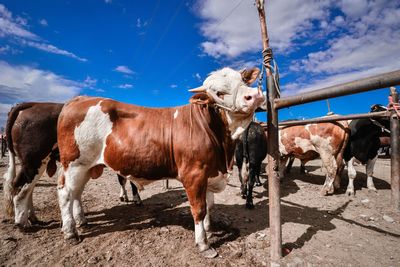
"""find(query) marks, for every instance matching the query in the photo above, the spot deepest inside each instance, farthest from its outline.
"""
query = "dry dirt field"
(317, 231)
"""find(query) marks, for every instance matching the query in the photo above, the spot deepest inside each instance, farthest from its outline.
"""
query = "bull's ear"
(201, 99)
(249, 76)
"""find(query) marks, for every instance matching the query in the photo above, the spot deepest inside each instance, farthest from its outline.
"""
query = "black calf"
(249, 154)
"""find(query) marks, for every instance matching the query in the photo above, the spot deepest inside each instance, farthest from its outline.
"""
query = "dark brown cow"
(31, 136)
(306, 142)
(191, 143)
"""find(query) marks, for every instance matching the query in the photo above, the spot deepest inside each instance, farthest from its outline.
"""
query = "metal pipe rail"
(336, 118)
(358, 86)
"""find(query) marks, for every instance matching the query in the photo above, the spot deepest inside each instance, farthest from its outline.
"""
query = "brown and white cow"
(192, 143)
(306, 142)
(31, 136)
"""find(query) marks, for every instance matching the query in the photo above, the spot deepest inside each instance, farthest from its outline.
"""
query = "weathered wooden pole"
(273, 147)
(395, 146)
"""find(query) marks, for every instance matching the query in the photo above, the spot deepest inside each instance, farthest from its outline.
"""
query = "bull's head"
(230, 90)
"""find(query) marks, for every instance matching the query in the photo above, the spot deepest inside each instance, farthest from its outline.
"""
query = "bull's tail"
(8, 188)
(11, 172)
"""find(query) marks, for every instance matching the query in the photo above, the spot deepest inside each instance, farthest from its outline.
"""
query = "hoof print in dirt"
(209, 253)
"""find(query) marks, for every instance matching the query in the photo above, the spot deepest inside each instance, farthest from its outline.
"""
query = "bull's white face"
(230, 89)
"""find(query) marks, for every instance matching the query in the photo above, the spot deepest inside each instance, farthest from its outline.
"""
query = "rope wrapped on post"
(394, 106)
(267, 58)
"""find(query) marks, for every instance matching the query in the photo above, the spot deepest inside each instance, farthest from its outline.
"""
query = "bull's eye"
(248, 97)
(220, 95)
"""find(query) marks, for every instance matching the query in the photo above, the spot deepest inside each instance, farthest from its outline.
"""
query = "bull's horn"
(198, 89)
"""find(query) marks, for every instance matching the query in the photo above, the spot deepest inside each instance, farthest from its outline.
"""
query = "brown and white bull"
(192, 143)
(306, 142)
(31, 136)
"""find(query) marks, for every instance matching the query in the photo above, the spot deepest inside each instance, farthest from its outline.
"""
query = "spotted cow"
(191, 143)
(365, 140)
(306, 142)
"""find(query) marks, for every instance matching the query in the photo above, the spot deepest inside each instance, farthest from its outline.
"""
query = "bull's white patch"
(200, 236)
(91, 136)
(282, 148)
(176, 114)
(304, 144)
(370, 172)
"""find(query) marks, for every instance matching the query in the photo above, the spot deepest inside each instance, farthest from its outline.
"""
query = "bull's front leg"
(196, 192)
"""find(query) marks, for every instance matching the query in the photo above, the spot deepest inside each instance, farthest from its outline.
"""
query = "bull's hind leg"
(251, 181)
(25, 183)
(135, 195)
(123, 195)
(70, 187)
(370, 172)
(351, 173)
(329, 163)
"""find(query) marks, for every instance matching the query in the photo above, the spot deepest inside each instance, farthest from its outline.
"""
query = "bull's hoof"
(74, 240)
(249, 205)
(123, 199)
(209, 253)
(373, 189)
(350, 192)
(324, 192)
(138, 203)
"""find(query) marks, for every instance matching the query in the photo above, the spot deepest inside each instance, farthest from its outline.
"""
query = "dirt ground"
(317, 231)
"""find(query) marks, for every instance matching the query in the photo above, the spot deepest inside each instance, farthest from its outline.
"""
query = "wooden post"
(395, 155)
(273, 150)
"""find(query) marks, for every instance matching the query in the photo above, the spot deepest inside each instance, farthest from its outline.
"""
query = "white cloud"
(20, 83)
(125, 86)
(16, 30)
(366, 44)
(52, 49)
(231, 32)
(90, 82)
(124, 69)
(43, 22)
(173, 86)
(8, 49)
(108, 1)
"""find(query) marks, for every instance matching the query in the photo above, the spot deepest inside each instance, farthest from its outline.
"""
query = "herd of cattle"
(194, 144)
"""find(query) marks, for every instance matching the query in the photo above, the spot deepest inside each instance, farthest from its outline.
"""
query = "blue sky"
(150, 52)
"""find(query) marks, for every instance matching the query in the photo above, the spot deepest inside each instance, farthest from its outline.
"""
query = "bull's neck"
(237, 123)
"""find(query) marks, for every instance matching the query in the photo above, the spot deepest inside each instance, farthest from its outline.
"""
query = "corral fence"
(274, 103)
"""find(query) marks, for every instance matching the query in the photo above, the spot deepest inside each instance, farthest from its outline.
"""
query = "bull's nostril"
(248, 98)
